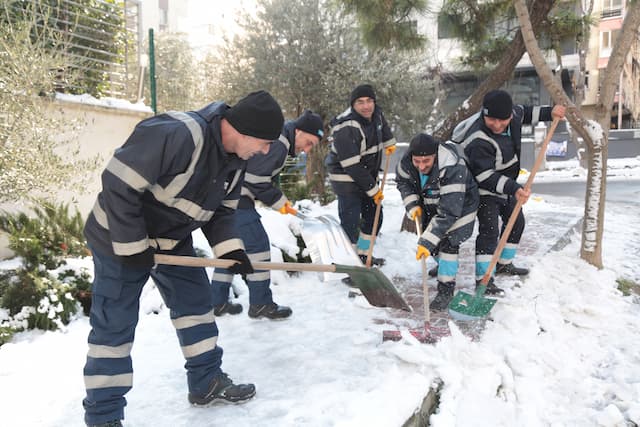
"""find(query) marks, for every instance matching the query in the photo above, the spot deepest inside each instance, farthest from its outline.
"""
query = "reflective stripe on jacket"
(263, 170)
(356, 151)
(449, 199)
(171, 177)
(494, 160)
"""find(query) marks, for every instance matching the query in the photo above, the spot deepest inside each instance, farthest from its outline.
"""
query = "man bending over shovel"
(492, 142)
(176, 173)
(437, 188)
(299, 135)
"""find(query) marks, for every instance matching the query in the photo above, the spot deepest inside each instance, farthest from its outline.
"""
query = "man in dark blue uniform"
(359, 136)
(177, 172)
(297, 136)
(437, 188)
(492, 144)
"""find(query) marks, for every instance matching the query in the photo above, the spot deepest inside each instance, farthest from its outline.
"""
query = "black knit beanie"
(361, 91)
(257, 114)
(423, 145)
(310, 122)
(497, 104)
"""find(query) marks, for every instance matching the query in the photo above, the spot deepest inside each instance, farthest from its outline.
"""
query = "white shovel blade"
(328, 244)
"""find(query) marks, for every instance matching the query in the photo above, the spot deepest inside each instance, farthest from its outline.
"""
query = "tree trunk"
(593, 223)
(579, 85)
(316, 171)
(498, 76)
(595, 134)
(597, 175)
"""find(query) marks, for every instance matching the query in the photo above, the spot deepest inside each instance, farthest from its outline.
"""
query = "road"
(624, 191)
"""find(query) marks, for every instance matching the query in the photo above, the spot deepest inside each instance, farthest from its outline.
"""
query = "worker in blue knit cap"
(297, 136)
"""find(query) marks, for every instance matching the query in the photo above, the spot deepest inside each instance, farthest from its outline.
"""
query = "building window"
(163, 19)
(607, 40)
(445, 26)
(611, 8)
(163, 15)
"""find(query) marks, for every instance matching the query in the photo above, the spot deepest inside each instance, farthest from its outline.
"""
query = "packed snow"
(561, 348)
(105, 102)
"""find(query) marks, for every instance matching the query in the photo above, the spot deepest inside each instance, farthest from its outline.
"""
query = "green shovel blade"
(465, 306)
(375, 286)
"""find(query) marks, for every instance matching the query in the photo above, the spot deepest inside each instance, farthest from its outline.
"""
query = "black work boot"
(433, 272)
(223, 390)
(492, 289)
(374, 261)
(511, 270)
(227, 307)
(444, 296)
(270, 311)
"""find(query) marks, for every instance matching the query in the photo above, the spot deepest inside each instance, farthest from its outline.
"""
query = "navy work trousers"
(490, 209)
(116, 293)
(256, 243)
(357, 212)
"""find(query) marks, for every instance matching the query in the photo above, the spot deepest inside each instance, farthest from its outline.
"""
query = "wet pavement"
(545, 230)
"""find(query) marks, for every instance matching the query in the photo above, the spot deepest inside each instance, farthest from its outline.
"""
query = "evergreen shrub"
(33, 295)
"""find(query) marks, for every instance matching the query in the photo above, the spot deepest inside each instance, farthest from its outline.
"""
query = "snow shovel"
(465, 306)
(327, 243)
(430, 334)
(377, 215)
(375, 286)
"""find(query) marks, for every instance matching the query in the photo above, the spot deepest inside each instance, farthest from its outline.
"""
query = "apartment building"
(609, 15)
(205, 23)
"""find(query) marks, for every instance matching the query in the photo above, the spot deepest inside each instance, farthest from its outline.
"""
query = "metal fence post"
(152, 72)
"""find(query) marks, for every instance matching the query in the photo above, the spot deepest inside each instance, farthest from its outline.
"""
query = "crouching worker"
(299, 135)
(437, 187)
(176, 173)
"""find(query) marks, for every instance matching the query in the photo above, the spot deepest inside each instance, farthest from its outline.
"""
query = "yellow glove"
(415, 212)
(422, 252)
(390, 150)
(288, 209)
(377, 198)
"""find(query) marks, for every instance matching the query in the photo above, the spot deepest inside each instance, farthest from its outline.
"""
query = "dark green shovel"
(375, 286)
(465, 306)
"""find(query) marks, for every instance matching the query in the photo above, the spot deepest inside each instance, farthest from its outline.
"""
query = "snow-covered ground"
(563, 348)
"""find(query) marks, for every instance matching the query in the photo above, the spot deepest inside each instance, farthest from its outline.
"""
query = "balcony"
(611, 13)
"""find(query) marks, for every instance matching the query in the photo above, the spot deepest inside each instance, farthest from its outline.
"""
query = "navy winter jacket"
(356, 151)
(494, 160)
(449, 199)
(171, 177)
(263, 169)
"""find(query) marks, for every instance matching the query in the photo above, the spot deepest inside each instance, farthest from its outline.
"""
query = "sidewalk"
(546, 230)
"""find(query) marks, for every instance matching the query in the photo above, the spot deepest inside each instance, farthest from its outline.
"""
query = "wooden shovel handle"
(425, 286)
(516, 210)
(191, 261)
(377, 215)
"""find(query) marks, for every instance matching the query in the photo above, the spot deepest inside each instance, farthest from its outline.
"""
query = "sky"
(208, 21)
(560, 349)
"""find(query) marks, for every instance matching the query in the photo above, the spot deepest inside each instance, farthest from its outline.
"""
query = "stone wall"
(106, 127)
